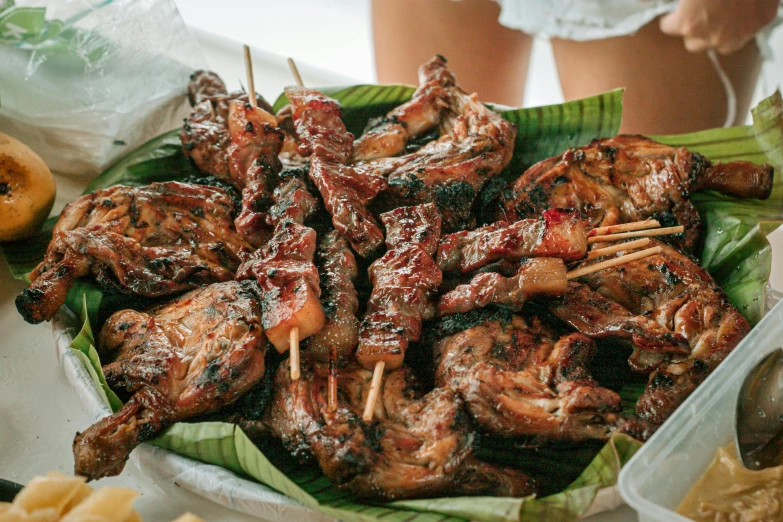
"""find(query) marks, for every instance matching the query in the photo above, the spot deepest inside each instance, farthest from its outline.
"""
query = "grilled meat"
(597, 317)
(155, 240)
(558, 233)
(404, 282)
(254, 143)
(632, 178)
(340, 333)
(193, 355)
(289, 282)
(346, 191)
(519, 377)
(293, 201)
(204, 134)
(419, 446)
(388, 136)
(475, 144)
(672, 289)
(536, 276)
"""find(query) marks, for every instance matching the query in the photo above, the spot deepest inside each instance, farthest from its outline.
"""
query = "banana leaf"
(736, 253)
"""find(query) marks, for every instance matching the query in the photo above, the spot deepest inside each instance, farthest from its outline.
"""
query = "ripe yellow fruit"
(27, 190)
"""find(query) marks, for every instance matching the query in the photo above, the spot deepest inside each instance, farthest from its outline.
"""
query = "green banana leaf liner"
(736, 253)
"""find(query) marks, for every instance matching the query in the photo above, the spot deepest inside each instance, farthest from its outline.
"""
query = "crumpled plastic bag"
(84, 81)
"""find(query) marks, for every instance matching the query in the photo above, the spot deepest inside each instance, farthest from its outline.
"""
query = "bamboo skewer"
(332, 381)
(375, 389)
(295, 72)
(638, 233)
(294, 353)
(630, 245)
(251, 86)
(624, 227)
(609, 263)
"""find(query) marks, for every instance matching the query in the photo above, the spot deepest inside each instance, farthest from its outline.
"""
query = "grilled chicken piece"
(340, 333)
(419, 445)
(475, 144)
(193, 355)
(519, 377)
(155, 240)
(346, 191)
(558, 233)
(536, 276)
(597, 317)
(632, 178)
(672, 289)
(404, 282)
(289, 281)
(389, 135)
(204, 135)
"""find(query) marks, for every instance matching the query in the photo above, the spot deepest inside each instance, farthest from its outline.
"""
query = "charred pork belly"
(536, 276)
(193, 355)
(475, 144)
(289, 283)
(558, 233)
(346, 191)
(340, 333)
(205, 137)
(419, 446)
(673, 290)
(632, 178)
(519, 377)
(155, 240)
(405, 280)
(293, 201)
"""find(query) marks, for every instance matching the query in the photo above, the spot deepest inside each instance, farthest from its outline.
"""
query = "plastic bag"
(84, 81)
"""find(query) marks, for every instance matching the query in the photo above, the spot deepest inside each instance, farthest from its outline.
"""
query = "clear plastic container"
(659, 476)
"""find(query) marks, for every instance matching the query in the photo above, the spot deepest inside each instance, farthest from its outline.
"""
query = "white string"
(731, 96)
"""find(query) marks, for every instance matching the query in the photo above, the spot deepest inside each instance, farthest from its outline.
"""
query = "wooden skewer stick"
(295, 72)
(293, 349)
(609, 263)
(625, 227)
(251, 86)
(631, 245)
(375, 389)
(638, 233)
(332, 382)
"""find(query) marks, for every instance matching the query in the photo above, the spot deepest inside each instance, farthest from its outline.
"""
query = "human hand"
(724, 25)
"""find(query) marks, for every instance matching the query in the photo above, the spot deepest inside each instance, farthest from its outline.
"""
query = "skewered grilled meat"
(340, 333)
(193, 355)
(475, 144)
(558, 233)
(204, 134)
(597, 317)
(254, 143)
(536, 276)
(293, 202)
(289, 281)
(404, 281)
(346, 191)
(155, 240)
(675, 291)
(519, 377)
(420, 446)
(631, 178)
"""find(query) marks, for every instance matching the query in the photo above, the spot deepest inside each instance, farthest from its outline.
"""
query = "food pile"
(416, 302)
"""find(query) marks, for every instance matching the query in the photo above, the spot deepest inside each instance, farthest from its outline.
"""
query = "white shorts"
(593, 19)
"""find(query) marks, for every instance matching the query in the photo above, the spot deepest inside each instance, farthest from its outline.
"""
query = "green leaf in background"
(736, 251)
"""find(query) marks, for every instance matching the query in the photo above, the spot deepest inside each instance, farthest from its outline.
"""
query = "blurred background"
(331, 41)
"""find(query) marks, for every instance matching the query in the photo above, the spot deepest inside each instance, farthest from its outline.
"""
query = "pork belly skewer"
(558, 233)
(404, 281)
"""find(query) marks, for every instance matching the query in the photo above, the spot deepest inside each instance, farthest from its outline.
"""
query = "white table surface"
(40, 413)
